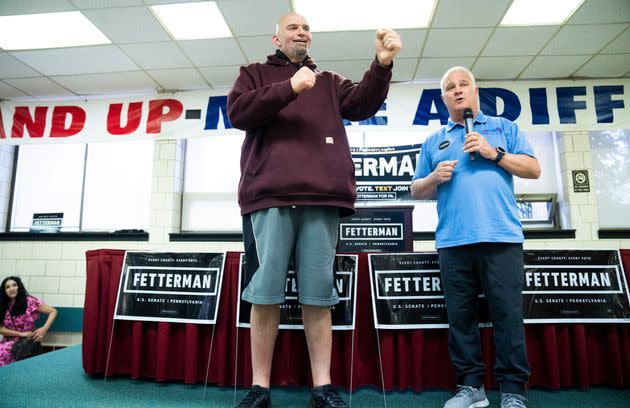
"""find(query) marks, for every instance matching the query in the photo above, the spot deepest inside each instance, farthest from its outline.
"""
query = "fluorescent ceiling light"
(48, 30)
(192, 21)
(540, 12)
(350, 15)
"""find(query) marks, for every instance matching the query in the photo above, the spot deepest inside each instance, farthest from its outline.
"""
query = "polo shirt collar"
(480, 118)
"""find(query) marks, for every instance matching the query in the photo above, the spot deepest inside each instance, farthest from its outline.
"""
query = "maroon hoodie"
(295, 150)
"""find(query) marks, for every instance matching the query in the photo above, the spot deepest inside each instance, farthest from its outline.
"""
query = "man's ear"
(276, 40)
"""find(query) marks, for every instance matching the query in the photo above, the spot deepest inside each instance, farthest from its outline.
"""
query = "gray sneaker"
(513, 400)
(468, 397)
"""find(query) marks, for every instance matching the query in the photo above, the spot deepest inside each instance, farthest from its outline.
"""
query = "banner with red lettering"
(535, 106)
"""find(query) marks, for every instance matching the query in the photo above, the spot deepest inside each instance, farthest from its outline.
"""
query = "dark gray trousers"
(496, 270)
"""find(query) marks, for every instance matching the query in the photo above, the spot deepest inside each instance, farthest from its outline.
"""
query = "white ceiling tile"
(256, 49)
(111, 83)
(9, 92)
(12, 68)
(434, 68)
(243, 20)
(465, 42)
(353, 70)
(356, 45)
(499, 67)
(208, 53)
(160, 55)
(459, 30)
(220, 77)
(585, 39)
(179, 79)
(128, 24)
(77, 60)
(404, 69)
(90, 4)
(469, 13)
(40, 87)
(545, 67)
(9, 8)
(518, 40)
(154, 2)
(412, 41)
(620, 44)
(602, 11)
(605, 66)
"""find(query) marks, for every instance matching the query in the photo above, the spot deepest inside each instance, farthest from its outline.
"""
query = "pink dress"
(24, 322)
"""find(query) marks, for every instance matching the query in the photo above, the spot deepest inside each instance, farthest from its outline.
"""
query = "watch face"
(500, 149)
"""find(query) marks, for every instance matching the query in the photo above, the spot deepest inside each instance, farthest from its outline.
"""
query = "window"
(537, 210)
(108, 191)
(48, 179)
(610, 153)
(212, 173)
(211, 176)
(118, 186)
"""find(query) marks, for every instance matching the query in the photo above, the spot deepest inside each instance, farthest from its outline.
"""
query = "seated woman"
(18, 313)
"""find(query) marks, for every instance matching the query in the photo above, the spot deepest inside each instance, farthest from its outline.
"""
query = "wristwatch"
(500, 153)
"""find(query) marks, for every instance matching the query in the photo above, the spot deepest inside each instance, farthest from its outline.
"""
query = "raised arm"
(362, 100)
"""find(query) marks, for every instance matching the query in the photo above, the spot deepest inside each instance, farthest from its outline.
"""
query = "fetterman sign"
(560, 286)
(183, 287)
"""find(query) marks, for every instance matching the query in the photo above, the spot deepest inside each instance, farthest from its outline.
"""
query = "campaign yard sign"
(345, 268)
(585, 286)
(182, 287)
(47, 222)
(407, 292)
(560, 286)
(377, 229)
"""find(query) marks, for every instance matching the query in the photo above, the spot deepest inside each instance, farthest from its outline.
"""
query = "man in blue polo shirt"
(479, 237)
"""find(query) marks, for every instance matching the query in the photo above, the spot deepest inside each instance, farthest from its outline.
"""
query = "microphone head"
(468, 113)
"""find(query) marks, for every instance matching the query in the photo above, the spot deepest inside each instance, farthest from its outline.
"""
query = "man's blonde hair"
(456, 69)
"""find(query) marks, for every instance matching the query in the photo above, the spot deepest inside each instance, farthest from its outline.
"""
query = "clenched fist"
(444, 171)
(303, 79)
(388, 44)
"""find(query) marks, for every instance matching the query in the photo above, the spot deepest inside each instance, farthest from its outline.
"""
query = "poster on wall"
(560, 286)
(384, 174)
(181, 287)
(46, 223)
(343, 313)
(377, 229)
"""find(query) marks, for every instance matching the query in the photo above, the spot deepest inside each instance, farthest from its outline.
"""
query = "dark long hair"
(19, 307)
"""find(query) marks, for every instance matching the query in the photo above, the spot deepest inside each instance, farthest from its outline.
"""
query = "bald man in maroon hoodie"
(297, 179)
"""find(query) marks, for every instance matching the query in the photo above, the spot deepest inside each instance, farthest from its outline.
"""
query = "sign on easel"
(345, 269)
(559, 286)
(182, 287)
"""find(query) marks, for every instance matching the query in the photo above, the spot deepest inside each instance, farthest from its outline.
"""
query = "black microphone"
(468, 123)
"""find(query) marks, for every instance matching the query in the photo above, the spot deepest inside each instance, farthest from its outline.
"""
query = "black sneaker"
(257, 397)
(326, 397)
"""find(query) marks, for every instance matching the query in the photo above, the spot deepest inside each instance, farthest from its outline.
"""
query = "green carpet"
(57, 379)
